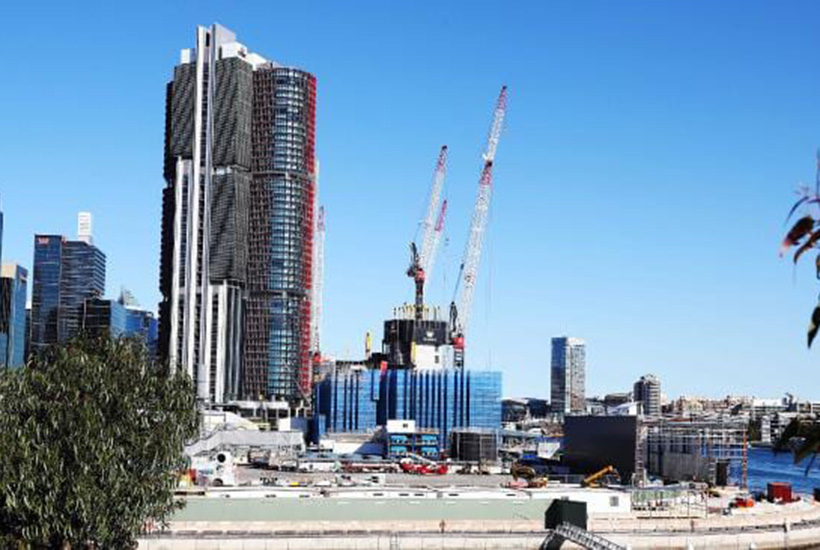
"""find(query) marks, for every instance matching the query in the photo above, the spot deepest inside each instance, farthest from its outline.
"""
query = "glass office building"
(66, 273)
(360, 401)
(13, 290)
(82, 277)
(103, 318)
(142, 323)
(45, 298)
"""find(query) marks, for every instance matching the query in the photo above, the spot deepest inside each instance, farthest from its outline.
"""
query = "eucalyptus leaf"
(91, 440)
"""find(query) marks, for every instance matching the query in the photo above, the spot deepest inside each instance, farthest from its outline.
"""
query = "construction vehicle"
(528, 474)
(743, 501)
(461, 305)
(419, 465)
(592, 480)
(521, 471)
(424, 469)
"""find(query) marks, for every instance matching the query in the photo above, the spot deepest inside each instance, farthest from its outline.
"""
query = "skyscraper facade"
(568, 391)
(66, 273)
(13, 289)
(139, 322)
(45, 295)
(103, 318)
(237, 222)
(82, 277)
(277, 347)
(647, 391)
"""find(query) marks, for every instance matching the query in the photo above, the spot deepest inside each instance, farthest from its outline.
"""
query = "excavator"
(592, 480)
(528, 474)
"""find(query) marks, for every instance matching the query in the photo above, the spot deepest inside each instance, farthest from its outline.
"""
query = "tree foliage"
(805, 235)
(802, 437)
(91, 438)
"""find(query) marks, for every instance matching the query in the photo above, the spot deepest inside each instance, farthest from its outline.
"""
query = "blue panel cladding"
(346, 403)
(435, 399)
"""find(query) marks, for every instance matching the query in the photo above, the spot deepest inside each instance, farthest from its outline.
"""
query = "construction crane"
(421, 261)
(461, 306)
(318, 276)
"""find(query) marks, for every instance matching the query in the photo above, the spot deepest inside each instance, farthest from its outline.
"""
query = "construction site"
(406, 447)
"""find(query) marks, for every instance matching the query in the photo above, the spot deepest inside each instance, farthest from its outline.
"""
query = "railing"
(581, 537)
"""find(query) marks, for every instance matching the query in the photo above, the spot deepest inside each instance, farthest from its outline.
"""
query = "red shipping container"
(779, 491)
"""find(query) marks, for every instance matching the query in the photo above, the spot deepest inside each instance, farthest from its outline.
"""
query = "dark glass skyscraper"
(82, 277)
(13, 288)
(66, 273)
(237, 228)
(103, 317)
(45, 296)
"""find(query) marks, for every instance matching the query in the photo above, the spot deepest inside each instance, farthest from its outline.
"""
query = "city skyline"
(586, 150)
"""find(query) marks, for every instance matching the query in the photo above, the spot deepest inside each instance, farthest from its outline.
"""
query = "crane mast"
(461, 307)
(429, 225)
(437, 232)
(421, 262)
(318, 276)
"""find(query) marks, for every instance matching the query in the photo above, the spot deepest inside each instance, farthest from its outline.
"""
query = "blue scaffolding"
(360, 401)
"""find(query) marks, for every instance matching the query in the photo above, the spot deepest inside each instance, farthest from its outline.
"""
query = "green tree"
(91, 439)
(802, 437)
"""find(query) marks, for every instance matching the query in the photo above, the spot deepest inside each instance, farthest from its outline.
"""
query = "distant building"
(84, 228)
(103, 318)
(523, 408)
(568, 392)
(13, 289)
(27, 351)
(127, 298)
(139, 322)
(616, 399)
(647, 391)
(142, 323)
(65, 274)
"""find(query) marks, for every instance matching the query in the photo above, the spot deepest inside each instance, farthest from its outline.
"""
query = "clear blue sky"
(650, 155)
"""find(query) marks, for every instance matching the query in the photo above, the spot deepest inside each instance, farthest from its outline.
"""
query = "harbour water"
(764, 466)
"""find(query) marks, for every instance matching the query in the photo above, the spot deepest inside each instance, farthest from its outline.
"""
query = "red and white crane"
(461, 306)
(422, 261)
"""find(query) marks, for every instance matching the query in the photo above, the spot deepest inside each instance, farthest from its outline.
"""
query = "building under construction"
(236, 268)
(444, 400)
(409, 379)
(640, 448)
(713, 451)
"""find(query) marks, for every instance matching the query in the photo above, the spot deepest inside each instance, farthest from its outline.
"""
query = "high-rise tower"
(237, 221)
(13, 286)
(66, 273)
(568, 393)
(280, 266)
(647, 391)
